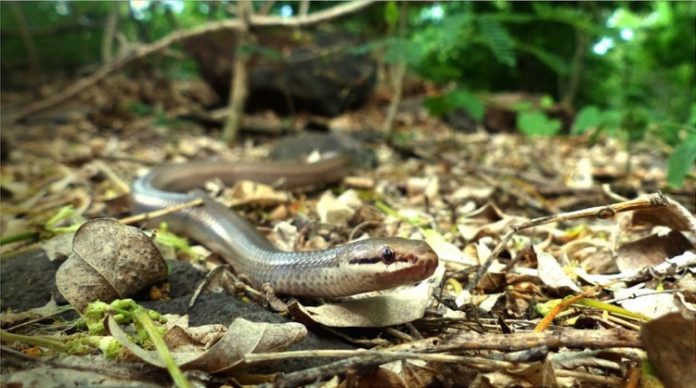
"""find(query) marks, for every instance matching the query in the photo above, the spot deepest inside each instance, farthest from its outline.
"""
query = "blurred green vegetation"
(627, 68)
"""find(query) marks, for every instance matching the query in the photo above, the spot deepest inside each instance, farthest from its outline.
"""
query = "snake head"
(382, 263)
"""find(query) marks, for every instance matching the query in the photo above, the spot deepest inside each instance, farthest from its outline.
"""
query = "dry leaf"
(651, 250)
(246, 192)
(242, 337)
(446, 250)
(646, 301)
(109, 261)
(674, 216)
(401, 305)
(551, 273)
(334, 211)
(671, 345)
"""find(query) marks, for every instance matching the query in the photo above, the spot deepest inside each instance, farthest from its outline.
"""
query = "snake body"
(356, 267)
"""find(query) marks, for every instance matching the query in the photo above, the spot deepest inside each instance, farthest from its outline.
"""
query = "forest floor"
(562, 260)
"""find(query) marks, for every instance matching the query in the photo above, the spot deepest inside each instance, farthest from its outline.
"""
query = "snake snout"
(427, 260)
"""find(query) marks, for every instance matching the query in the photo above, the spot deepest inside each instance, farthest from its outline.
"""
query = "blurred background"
(623, 70)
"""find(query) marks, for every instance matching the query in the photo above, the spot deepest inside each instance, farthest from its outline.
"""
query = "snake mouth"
(409, 268)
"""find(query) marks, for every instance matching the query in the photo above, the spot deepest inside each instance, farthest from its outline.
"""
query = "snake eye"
(388, 255)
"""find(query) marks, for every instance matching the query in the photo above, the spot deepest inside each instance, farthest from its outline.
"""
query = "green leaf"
(165, 237)
(498, 40)
(681, 161)
(589, 117)
(469, 102)
(437, 105)
(537, 124)
(546, 102)
(456, 99)
(553, 61)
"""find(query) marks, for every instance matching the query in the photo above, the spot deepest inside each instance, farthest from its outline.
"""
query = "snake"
(356, 267)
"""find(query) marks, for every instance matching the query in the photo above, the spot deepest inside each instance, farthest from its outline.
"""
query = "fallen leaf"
(109, 261)
(247, 192)
(446, 250)
(333, 211)
(671, 345)
(646, 301)
(242, 337)
(651, 250)
(394, 307)
(551, 273)
(674, 216)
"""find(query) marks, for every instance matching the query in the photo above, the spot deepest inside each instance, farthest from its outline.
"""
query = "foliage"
(536, 123)
(642, 81)
(682, 161)
(628, 68)
(459, 98)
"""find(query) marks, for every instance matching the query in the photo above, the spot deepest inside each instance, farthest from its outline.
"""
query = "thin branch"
(398, 72)
(161, 212)
(177, 37)
(266, 7)
(304, 8)
(109, 33)
(240, 81)
(465, 340)
(569, 338)
(603, 212)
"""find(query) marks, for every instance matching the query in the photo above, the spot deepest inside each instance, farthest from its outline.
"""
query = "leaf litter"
(466, 194)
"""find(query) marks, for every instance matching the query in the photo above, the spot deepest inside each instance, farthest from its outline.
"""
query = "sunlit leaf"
(682, 161)
(537, 124)
(589, 117)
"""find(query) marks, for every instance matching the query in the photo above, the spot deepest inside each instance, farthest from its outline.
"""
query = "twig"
(304, 7)
(161, 212)
(120, 183)
(557, 309)
(602, 212)
(110, 32)
(34, 340)
(398, 72)
(571, 338)
(240, 80)
(180, 36)
(360, 359)
(604, 380)
(266, 7)
(129, 372)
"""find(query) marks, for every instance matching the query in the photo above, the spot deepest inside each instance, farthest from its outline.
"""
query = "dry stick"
(571, 338)
(304, 8)
(398, 72)
(596, 339)
(180, 36)
(161, 212)
(603, 212)
(359, 360)
(240, 80)
(110, 32)
(266, 7)
(589, 377)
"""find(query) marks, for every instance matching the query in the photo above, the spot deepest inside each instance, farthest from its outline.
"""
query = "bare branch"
(180, 36)
(239, 87)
